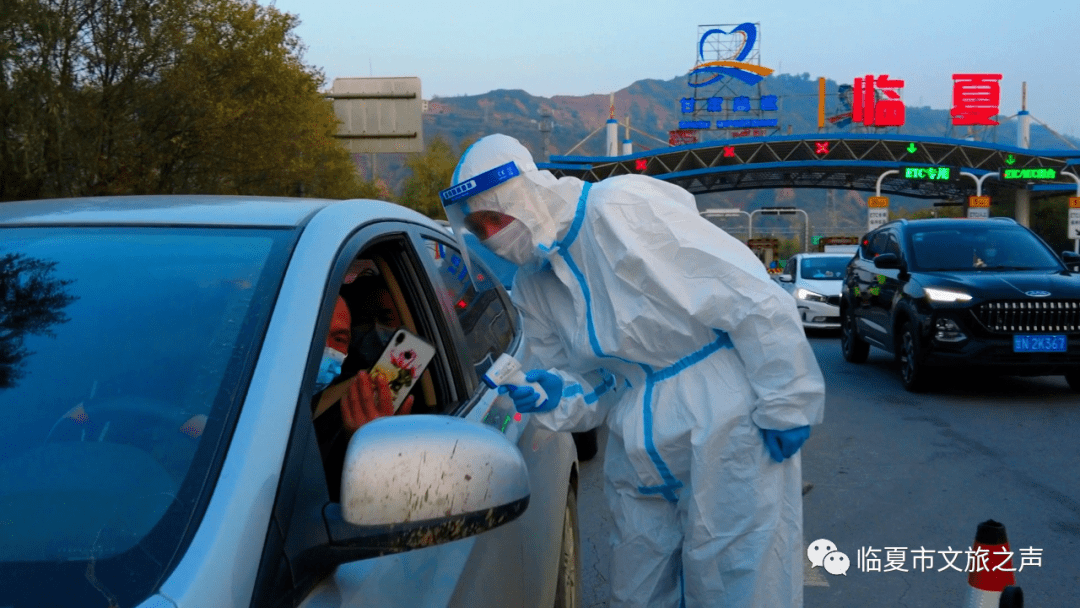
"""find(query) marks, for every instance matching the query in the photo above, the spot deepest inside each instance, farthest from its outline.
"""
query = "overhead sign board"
(937, 174)
(1028, 174)
(379, 115)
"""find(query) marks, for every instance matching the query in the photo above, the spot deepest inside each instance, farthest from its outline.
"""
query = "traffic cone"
(986, 584)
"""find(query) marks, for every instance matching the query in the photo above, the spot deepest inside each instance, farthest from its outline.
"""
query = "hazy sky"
(578, 47)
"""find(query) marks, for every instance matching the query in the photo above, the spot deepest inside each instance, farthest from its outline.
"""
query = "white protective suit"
(630, 278)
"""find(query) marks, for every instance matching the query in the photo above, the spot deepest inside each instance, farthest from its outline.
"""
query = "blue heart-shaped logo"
(734, 66)
(749, 33)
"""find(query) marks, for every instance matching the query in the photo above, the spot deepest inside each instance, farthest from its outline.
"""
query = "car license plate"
(1039, 343)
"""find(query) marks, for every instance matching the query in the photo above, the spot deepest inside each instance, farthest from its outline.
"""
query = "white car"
(158, 359)
(814, 280)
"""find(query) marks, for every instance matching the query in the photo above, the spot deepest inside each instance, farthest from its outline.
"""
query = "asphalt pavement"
(917, 473)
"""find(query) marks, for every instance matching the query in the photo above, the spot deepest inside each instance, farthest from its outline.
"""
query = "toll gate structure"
(853, 162)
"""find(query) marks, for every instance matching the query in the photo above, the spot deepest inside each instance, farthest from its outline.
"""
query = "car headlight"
(944, 295)
(806, 294)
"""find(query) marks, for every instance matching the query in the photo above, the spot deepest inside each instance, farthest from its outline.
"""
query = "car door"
(866, 286)
(483, 570)
(481, 309)
(888, 284)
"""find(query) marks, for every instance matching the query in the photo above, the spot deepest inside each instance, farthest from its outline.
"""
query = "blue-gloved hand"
(784, 444)
(525, 398)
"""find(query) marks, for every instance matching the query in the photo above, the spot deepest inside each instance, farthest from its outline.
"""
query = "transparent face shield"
(455, 201)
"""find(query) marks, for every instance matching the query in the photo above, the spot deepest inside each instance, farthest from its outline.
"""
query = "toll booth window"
(483, 314)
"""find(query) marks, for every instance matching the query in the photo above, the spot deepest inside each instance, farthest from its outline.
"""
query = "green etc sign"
(936, 174)
(1028, 174)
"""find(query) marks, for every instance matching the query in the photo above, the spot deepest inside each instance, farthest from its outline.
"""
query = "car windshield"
(989, 247)
(824, 268)
(124, 355)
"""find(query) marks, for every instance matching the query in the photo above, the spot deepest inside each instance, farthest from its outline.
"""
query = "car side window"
(875, 245)
(865, 249)
(485, 317)
(384, 292)
(893, 246)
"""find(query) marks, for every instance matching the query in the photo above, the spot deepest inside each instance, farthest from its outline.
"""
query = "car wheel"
(586, 445)
(913, 372)
(1073, 379)
(568, 584)
(853, 347)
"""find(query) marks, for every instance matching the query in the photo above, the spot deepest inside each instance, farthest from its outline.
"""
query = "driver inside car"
(342, 405)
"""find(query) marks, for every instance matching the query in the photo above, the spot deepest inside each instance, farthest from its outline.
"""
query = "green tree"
(1048, 218)
(32, 300)
(431, 171)
(930, 211)
(789, 247)
(270, 129)
(162, 96)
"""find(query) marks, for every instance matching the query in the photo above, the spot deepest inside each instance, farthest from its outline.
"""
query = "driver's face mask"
(371, 344)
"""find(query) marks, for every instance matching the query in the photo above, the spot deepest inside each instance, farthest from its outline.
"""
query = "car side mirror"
(416, 481)
(888, 260)
(786, 278)
(1071, 259)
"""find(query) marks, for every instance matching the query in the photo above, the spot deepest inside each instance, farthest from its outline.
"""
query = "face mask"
(329, 369)
(513, 243)
(371, 343)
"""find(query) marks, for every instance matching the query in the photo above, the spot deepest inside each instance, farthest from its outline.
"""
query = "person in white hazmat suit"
(721, 386)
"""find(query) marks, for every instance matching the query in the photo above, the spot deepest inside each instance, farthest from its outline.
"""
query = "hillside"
(653, 108)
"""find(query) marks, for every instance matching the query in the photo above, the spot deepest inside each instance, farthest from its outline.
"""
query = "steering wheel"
(151, 425)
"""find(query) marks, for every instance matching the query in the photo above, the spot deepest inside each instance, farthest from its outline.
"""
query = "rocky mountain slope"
(653, 109)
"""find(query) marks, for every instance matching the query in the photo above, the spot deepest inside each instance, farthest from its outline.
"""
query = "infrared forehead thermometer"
(507, 371)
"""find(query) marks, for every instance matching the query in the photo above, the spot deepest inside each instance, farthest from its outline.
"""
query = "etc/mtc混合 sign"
(1026, 174)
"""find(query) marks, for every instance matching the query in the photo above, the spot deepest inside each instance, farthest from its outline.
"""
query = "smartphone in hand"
(401, 363)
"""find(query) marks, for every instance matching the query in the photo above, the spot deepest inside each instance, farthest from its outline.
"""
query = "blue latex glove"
(784, 444)
(525, 398)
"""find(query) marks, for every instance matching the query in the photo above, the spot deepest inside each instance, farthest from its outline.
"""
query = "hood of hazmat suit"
(624, 276)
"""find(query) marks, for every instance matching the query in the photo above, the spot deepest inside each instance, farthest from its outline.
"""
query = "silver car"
(814, 280)
(157, 365)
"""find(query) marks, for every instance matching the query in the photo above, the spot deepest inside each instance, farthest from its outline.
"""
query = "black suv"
(986, 293)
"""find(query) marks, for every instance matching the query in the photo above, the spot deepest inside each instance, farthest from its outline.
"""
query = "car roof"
(1002, 221)
(186, 209)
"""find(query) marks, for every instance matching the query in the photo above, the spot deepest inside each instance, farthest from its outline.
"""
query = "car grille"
(1042, 316)
(834, 300)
